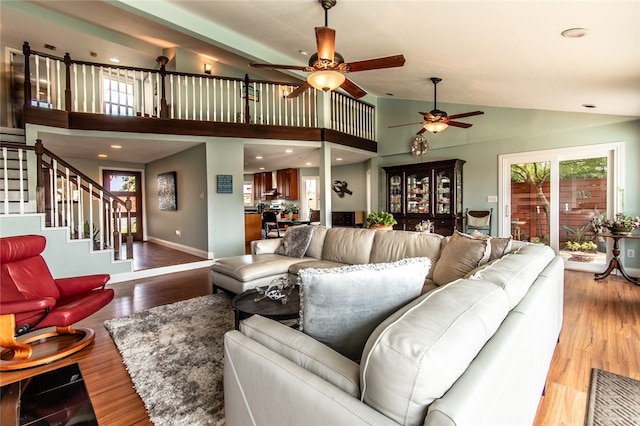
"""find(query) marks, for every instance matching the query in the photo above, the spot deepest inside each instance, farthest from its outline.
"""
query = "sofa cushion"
(515, 272)
(317, 241)
(342, 306)
(390, 246)
(461, 254)
(251, 267)
(348, 245)
(295, 241)
(416, 354)
(305, 351)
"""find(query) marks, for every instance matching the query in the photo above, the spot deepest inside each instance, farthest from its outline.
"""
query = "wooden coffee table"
(244, 306)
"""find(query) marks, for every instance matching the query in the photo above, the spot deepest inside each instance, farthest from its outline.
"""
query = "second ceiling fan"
(436, 121)
(328, 68)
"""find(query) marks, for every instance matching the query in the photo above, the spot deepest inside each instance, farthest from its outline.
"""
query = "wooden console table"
(615, 260)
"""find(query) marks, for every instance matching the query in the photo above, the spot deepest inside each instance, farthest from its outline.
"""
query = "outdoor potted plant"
(581, 252)
(380, 221)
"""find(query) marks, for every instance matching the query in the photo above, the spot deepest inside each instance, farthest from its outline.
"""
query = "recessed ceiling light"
(308, 163)
(102, 155)
(303, 52)
(589, 105)
(288, 150)
(389, 94)
(115, 60)
(116, 146)
(258, 157)
(339, 159)
(49, 46)
(575, 32)
(261, 168)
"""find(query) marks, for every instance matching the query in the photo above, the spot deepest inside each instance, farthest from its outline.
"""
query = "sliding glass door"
(549, 197)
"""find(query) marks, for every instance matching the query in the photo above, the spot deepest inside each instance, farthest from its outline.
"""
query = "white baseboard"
(180, 247)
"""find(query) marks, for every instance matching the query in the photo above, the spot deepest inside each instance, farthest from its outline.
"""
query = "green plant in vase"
(380, 220)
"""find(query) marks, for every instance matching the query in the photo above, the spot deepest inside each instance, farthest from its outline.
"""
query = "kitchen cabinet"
(262, 182)
(287, 184)
(426, 191)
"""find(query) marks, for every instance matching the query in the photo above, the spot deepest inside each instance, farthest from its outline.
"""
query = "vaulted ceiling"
(494, 53)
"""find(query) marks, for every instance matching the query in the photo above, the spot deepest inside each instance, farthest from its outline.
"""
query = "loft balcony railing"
(65, 196)
(78, 86)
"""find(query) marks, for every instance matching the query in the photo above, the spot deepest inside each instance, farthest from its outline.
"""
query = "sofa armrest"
(265, 246)
(305, 351)
(262, 387)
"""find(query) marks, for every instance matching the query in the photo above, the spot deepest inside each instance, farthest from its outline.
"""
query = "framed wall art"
(167, 191)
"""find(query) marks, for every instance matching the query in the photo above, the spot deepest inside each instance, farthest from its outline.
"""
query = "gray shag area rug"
(613, 400)
(174, 355)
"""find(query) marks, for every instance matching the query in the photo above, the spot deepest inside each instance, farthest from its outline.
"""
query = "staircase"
(80, 205)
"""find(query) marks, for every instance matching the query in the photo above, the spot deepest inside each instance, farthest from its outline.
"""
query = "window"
(118, 97)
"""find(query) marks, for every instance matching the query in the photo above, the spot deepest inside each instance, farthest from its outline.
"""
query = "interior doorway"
(310, 200)
(123, 184)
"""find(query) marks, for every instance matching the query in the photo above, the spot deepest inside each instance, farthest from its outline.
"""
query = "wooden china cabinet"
(426, 191)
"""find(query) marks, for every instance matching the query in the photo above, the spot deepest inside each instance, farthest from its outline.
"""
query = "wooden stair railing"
(67, 196)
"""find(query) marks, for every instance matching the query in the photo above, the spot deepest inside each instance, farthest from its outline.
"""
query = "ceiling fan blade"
(353, 89)
(297, 92)
(459, 124)
(378, 63)
(466, 114)
(326, 42)
(408, 124)
(278, 67)
(421, 131)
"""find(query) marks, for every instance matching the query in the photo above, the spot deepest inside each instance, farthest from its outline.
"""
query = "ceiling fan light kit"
(435, 127)
(326, 80)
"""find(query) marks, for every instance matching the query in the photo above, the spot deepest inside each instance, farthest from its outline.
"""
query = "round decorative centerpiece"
(619, 230)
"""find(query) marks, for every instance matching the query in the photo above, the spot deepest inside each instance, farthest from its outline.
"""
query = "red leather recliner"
(31, 299)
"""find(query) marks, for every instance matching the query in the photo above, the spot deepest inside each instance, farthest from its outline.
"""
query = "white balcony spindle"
(5, 178)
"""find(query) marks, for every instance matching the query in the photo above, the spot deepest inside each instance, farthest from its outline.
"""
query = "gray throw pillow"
(295, 241)
(342, 306)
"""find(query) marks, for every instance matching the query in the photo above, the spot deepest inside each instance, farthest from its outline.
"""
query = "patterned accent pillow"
(296, 241)
(342, 306)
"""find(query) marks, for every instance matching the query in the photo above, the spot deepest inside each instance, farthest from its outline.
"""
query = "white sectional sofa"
(474, 351)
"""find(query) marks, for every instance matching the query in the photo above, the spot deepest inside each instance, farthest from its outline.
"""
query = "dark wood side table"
(244, 306)
(615, 260)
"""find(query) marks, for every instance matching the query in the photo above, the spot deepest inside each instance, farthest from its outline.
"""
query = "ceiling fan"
(436, 121)
(328, 68)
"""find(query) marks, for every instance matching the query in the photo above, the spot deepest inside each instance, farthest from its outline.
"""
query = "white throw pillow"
(342, 306)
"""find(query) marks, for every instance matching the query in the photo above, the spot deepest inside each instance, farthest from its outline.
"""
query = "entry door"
(550, 197)
(125, 184)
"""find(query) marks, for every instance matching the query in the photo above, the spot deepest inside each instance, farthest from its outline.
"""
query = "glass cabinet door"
(395, 193)
(417, 193)
(443, 192)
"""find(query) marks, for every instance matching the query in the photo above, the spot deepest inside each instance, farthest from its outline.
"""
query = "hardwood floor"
(601, 329)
